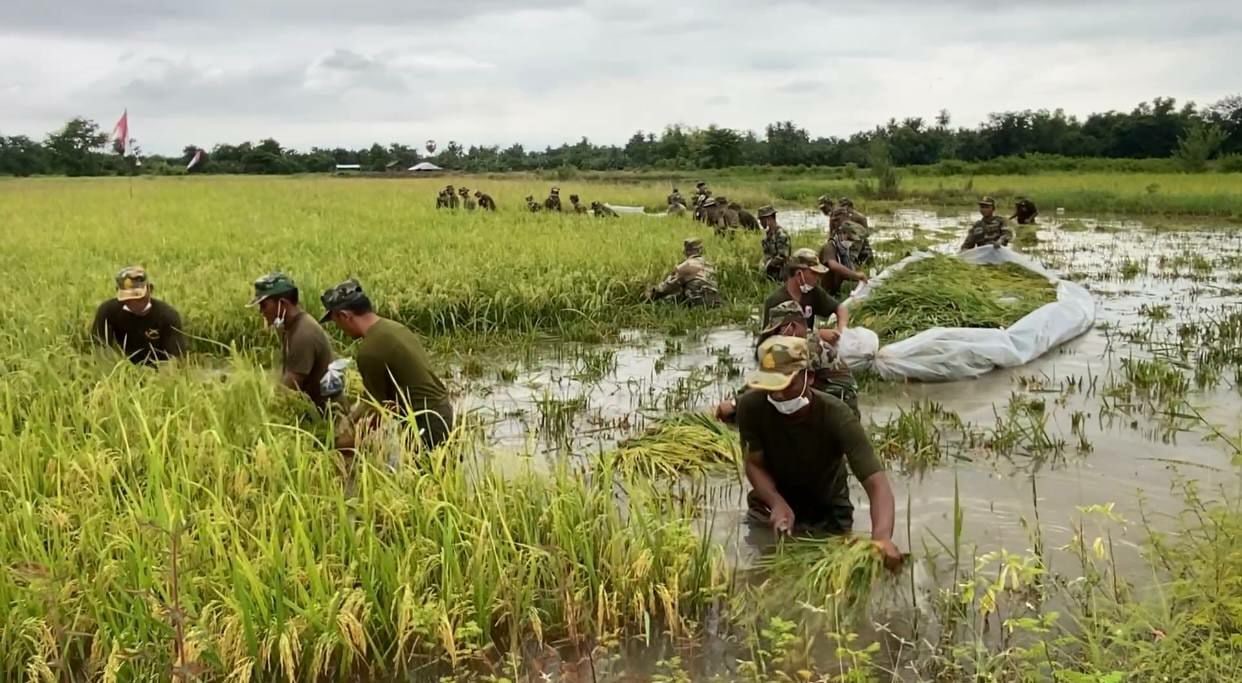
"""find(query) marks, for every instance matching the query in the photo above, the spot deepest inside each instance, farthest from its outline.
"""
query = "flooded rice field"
(1116, 417)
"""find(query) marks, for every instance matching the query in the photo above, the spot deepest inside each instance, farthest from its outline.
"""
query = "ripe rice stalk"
(685, 444)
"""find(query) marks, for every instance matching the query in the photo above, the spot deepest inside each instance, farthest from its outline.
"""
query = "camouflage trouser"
(700, 295)
(775, 269)
(848, 395)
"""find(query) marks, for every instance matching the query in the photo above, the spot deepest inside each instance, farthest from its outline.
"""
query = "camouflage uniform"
(576, 203)
(450, 197)
(676, 198)
(776, 248)
(825, 204)
(702, 194)
(442, 201)
(845, 214)
(532, 205)
(553, 202)
(486, 202)
(1024, 211)
(466, 202)
(692, 282)
(602, 211)
(988, 231)
(728, 212)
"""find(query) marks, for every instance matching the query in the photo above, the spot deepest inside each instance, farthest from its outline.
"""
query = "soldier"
(486, 202)
(838, 255)
(441, 200)
(577, 205)
(990, 229)
(603, 211)
(693, 281)
(145, 329)
(450, 196)
(845, 212)
(467, 202)
(701, 195)
(803, 273)
(305, 351)
(825, 205)
(532, 205)
(675, 198)
(776, 244)
(1024, 210)
(829, 373)
(745, 219)
(553, 202)
(396, 371)
(799, 444)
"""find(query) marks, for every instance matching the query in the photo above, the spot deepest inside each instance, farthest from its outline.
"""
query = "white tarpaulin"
(943, 354)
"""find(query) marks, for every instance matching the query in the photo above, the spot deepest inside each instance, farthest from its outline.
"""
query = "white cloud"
(318, 72)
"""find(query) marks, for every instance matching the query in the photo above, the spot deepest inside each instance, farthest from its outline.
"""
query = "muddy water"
(583, 399)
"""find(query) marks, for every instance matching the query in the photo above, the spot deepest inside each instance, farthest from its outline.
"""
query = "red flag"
(120, 134)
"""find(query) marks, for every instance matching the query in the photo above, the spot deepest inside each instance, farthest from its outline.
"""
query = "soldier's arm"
(99, 327)
(670, 286)
(1006, 234)
(970, 241)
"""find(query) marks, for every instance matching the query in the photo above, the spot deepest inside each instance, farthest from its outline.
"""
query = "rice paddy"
(1074, 519)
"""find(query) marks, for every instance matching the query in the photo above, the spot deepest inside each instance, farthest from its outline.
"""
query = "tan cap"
(131, 283)
(780, 360)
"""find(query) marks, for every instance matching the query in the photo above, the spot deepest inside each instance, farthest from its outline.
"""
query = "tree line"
(1190, 135)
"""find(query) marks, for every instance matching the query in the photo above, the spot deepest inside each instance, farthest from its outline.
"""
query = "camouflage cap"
(340, 297)
(272, 284)
(574, 197)
(845, 201)
(132, 283)
(556, 190)
(710, 201)
(478, 193)
(721, 199)
(700, 184)
(824, 200)
(780, 360)
(766, 210)
(692, 244)
(782, 314)
(987, 201)
(850, 230)
(807, 259)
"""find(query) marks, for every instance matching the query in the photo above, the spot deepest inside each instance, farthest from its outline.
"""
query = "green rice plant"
(832, 576)
(917, 438)
(943, 291)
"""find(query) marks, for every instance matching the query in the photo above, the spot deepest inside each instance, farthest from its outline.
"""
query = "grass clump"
(943, 291)
(828, 575)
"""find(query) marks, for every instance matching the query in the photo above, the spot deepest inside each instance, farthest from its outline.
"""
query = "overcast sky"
(348, 73)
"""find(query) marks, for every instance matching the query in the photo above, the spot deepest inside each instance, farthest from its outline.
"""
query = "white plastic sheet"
(943, 354)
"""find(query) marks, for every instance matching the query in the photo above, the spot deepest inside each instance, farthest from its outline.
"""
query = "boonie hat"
(807, 259)
(782, 314)
(131, 283)
(766, 210)
(780, 360)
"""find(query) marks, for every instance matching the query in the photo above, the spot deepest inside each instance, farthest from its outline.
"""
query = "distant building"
(348, 169)
(424, 167)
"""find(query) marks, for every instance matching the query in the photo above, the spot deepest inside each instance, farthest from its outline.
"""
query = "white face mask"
(793, 405)
(803, 287)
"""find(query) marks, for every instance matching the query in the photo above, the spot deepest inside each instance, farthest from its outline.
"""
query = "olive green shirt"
(807, 456)
(396, 369)
(816, 302)
(306, 351)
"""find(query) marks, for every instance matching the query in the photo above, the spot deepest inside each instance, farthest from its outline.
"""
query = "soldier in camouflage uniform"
(675, 198)
(553, 202)
(711, 214)
(990, 229)
(450, 197)
(745, 219)
(825, 205)
(532, 205)
(776, 244)
(442, 201)
(692, 282)
(1024, 211)
(701, 195)
(839, 254)
(486, 202)
(466, 202)
(603, 211)
(576, 203)
(845, 212)
(829, 373)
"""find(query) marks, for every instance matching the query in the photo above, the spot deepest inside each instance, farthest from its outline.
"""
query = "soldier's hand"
(782, 518)
(726, 410)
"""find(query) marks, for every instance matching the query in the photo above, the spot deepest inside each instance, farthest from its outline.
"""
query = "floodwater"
(582, 399)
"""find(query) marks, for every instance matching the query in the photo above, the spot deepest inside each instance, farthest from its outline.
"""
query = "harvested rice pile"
(944, 291)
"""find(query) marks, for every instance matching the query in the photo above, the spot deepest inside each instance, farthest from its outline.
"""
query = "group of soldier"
(553, 203)
(453, 198)
(396, 372)
(991, 229)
